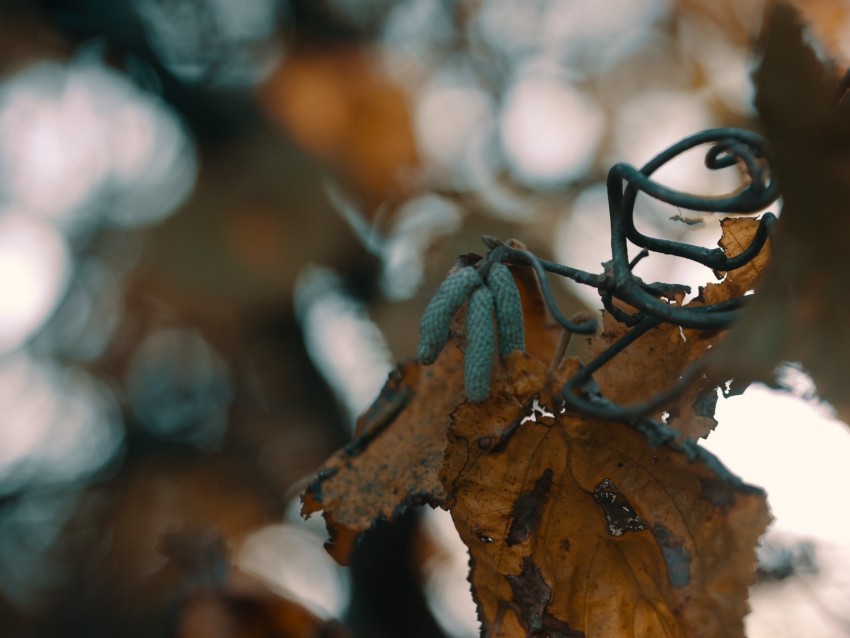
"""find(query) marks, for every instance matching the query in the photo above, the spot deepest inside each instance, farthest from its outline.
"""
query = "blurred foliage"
(175, 166)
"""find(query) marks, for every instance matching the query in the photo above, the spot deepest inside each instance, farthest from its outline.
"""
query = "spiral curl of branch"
(729, 147)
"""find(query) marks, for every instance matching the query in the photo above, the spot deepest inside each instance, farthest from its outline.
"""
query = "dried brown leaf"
(387, 469)
(656, 360)
(395, 459)
(542, 333)
(575, 527)
(738, 234)
(579, 528)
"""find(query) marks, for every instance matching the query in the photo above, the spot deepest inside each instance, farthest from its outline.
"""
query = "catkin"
(436, 321)
(480, 345)
(508, 309)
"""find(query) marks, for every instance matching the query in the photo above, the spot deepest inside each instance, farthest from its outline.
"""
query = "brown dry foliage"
(632, 378)
(576, 527)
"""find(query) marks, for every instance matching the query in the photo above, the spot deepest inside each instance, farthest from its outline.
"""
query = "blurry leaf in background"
(738, 21)
(803, 307)
(828, 23)
(338, 105)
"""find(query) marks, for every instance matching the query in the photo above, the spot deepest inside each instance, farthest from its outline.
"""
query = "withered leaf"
(395, 459)
(595, 533)
(738, 234)
(802, 308)
(576, 527)
(655, 361)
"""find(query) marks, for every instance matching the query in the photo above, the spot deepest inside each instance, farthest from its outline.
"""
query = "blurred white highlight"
(79, 141)
(796, 450)
(418, 224)
(35, 267)
(550, 130)
(651, 122)
(292, 560)
(56, 425)
(587, 35)
(455, 125)
(446, 572)
(346, 347)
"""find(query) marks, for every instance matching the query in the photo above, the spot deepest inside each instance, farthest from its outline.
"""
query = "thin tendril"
(730, 147)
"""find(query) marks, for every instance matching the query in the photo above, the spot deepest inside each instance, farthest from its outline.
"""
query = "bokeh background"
(219, 224)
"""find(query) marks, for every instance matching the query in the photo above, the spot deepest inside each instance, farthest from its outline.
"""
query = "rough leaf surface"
(394, 462)
(575, 527)
(633, 377)
(578, 528)
(395, 459)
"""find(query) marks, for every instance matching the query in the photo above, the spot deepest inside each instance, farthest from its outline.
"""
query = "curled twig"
(617, 282)
(730, 147)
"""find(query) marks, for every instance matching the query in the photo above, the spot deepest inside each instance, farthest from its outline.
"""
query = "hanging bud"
(508, 309)
(436, 322)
